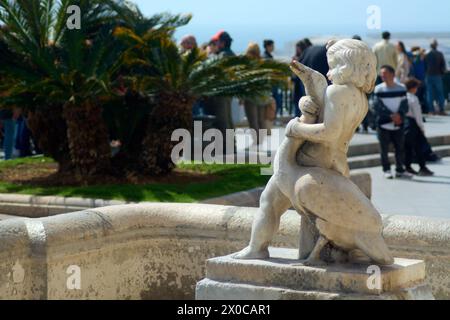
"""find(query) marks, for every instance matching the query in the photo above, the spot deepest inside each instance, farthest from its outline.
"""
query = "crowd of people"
(409, 85)
(426, 67)
(260, 111)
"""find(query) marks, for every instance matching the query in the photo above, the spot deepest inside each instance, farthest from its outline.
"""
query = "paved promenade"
(435, 126)
(421, 196)
(428, 197)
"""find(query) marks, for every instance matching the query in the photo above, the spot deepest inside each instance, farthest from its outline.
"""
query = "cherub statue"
(311, 168)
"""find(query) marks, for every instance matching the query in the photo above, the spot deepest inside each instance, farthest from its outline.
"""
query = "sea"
(410, 40)
(285, 38)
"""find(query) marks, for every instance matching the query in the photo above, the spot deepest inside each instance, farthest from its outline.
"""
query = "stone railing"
(30, 206)
(158, 251)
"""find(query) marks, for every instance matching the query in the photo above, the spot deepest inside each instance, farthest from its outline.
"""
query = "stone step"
(226, 291)
(374, 147)
(355, 162)
(374, 160)
(283, 270)
(7, 217)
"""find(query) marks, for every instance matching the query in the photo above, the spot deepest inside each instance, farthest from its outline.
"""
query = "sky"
(287, 20)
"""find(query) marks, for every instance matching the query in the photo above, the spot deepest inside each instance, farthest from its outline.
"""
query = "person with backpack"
(414, 127)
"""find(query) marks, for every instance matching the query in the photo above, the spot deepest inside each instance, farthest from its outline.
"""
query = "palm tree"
(129, 114)
(60, 73)
(70, 81)
(65, 78)
(176, 81)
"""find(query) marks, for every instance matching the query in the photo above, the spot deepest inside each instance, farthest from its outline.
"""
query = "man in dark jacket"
(435, 69)
(315, 57)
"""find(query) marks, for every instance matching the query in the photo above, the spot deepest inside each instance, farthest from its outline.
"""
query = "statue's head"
(352, 62)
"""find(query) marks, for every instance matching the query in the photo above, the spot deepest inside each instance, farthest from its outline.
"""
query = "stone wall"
(158, 251)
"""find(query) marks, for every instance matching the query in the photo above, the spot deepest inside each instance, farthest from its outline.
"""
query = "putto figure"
(339, 223)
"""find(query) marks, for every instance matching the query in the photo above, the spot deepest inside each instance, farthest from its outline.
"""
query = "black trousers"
(397, 138)
(413, 144)
(220, 107)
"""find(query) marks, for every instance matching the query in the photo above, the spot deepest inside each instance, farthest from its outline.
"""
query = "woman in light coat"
(256, 108)
(404, 64)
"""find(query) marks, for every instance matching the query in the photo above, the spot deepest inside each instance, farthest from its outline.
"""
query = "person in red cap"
(224, 41)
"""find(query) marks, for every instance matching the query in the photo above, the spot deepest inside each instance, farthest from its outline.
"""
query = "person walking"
(414, 128)
(220, 107)
(9, 132)
(299, 88)
(391, 106)
(23, 136)
(435, 70)
(256, 108)
(419, 72)
(403, 70)
(269, 48)
(386, 53)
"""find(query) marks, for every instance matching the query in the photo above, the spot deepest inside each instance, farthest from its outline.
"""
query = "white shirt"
(393, 102)
(415, 110)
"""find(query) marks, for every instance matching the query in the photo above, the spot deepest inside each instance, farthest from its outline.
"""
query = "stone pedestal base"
(284, 278)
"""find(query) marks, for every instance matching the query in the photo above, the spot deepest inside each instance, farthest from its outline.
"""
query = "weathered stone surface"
(158, 251)
(214, 290)
(6, 217)
(283, 270)
(283, 275)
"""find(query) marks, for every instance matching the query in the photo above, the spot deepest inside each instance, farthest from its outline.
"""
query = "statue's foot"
(314, 262)
(359, 257)
(250, 254)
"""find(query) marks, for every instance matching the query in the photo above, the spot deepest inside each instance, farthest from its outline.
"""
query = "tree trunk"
(129, 121)
(87, 133)
(49, 131)
(172, 112)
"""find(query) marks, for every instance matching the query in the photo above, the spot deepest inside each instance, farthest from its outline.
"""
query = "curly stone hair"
(352, 61)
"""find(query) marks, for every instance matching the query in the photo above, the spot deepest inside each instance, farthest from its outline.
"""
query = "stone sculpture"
(339, 223)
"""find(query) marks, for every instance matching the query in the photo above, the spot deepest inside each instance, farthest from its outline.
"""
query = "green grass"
(22, 161)
(230, 179)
